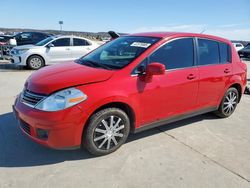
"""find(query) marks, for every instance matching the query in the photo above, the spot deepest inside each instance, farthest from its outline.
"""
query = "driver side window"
(176, 54)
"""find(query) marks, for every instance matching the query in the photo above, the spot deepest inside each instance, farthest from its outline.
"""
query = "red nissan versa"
(130, 84)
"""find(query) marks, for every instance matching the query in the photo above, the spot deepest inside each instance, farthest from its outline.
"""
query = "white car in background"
(238, 46)
(54, 49)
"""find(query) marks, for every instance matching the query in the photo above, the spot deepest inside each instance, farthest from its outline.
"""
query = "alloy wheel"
(230, 103)
(35, 62)
(109, 133)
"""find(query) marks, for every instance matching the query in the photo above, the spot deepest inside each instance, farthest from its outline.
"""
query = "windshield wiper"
(95, 64)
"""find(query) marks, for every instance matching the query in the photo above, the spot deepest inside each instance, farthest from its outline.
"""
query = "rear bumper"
(64, 127)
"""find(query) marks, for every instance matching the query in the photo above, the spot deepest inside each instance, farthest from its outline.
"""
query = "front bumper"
(64, 127)
(16, 59)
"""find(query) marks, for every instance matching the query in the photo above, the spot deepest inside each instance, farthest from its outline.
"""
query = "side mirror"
(50, 45)
(155, 68)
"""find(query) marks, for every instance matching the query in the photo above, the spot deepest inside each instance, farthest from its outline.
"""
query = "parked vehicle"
(238, 46)
(4, 39)
(245, 52)
(19, 39)
(130, 84)
(25, 38)
(55, 49)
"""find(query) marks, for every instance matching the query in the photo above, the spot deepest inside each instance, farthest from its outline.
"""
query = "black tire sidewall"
(220, 110)
(88, 140)
(35, 56)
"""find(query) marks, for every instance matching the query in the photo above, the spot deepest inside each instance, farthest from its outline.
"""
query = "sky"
(226, 18)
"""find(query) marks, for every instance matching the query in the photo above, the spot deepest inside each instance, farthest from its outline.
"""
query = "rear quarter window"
(225, 53)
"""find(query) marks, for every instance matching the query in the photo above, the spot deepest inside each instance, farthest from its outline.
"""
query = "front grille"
(25, 127)
(31, 99)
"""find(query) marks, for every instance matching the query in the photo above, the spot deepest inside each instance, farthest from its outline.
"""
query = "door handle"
(191, 77)
(67, 48)
(226, 71)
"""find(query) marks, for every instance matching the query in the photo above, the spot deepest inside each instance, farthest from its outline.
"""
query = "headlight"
(61, 100)
(21, 51)
(13, 51)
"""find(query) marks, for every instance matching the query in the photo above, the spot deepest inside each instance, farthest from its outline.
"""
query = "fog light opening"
(42, 134)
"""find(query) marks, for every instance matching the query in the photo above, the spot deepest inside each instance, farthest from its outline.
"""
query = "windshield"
(45, 41)
(247, 47)
(118, 53)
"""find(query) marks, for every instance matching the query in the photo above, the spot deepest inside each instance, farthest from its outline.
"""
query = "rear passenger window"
(80, 42)
(176, 54)
(225, 53)
(208, 52)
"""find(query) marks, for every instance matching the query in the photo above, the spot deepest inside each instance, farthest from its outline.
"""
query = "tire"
(35, 62)
(102, 139)
(228, 103)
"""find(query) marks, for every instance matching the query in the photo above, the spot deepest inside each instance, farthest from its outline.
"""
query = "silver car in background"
(54, 49)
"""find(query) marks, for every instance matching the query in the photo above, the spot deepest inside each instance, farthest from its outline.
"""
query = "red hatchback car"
(130, 84)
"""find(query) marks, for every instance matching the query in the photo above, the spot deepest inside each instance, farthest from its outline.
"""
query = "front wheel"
(35, 62)
(107, 130)
(228, 103)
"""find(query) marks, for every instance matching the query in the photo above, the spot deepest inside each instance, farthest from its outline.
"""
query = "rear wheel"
(228, 103)
(35, 62)
(107, 130)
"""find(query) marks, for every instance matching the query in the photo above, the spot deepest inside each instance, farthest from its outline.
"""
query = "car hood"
(29, 46)
(56, 77)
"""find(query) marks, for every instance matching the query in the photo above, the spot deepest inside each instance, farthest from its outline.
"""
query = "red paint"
(164, 95)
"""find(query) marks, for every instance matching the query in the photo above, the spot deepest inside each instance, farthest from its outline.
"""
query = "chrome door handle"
(67, 48)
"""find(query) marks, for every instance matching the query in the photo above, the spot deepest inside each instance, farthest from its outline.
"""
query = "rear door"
(60, 52)
(215, 70)
(80, 48)
(175, 92)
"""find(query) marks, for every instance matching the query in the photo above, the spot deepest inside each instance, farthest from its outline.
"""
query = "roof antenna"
(203, 31)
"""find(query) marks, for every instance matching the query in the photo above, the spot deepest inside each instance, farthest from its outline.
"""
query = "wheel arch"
(239, 89)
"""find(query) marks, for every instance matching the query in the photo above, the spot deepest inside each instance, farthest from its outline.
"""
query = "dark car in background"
(24, 38)
(245, 52)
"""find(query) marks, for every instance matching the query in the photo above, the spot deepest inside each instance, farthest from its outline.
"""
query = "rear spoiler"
(113, 35)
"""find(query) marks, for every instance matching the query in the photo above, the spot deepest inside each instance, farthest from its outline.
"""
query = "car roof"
(68, 36)
(179, 34)
(33, 32)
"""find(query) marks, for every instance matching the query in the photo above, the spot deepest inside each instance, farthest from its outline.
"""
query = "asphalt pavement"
(204, 151)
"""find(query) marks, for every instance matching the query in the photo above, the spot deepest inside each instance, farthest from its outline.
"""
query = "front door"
(59, 51)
